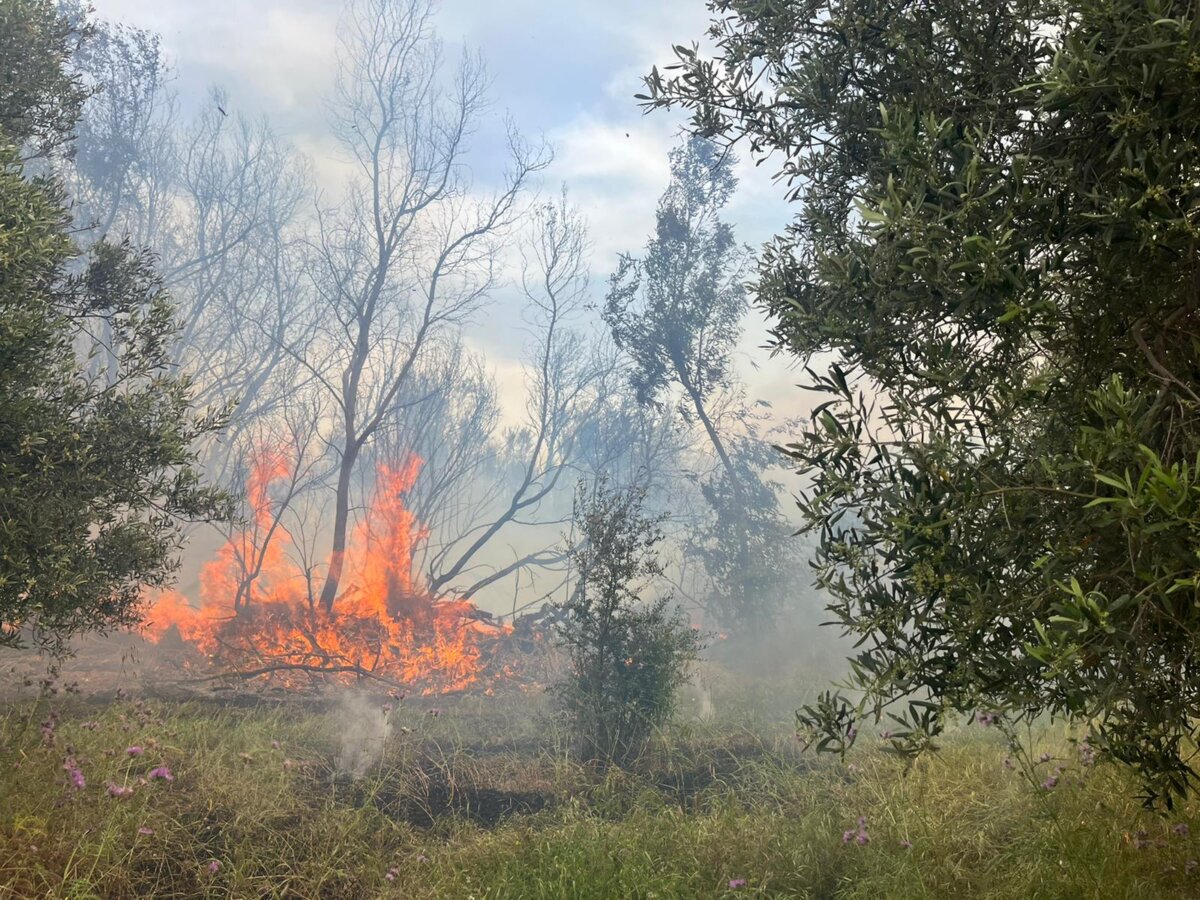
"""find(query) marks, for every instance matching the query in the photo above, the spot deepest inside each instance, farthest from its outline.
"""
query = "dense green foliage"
(998, 237)
(627, 655)
(95, 427)
(40, 99)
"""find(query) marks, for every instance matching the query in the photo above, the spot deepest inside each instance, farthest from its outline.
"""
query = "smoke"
(364, 727)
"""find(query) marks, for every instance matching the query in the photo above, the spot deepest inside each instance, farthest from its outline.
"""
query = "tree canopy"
(96, 456)
(997, 239)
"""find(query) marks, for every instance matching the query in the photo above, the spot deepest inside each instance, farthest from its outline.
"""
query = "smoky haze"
(431, 303)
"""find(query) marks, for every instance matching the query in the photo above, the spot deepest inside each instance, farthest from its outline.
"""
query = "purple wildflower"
(116, 790)
(160, 772)
(886, 735)
(75, 774)
(735, 883)
(387, 708)
(214, 867)
(1050, 783)
(422, 858)
(135, 750)
(858, 834)
(145, 830)
(1087, 753)
(392, 873)
(986, 719)
(1045, 757)
(906, 845)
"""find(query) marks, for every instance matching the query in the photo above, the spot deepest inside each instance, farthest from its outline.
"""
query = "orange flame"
(259, 612)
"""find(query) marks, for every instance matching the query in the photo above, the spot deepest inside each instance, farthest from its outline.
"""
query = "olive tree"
(998, 240)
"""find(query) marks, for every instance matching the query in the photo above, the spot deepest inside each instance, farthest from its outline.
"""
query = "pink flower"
(116, 790)
(906, 845)
(387, 708)
(134, 750)
(392, 873)
(735, 883)
(75, 774)
(161, 772)
(145, 830)
(214, 867)
(1050, 783)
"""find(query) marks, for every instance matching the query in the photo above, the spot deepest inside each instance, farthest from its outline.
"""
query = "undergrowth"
(478, 797)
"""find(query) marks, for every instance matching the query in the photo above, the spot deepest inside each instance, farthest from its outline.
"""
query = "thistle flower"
(392, 873)
(387, 708)
(145, 830)
(986, 719)
(214, 867)
(162, 772)
(1045, 757)
(1050, 783)
(735, 883)
(116, 790)
(135, 750)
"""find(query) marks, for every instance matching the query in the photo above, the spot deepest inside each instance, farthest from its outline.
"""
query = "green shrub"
(628, 656)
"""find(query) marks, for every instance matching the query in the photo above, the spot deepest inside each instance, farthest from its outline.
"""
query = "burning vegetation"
(260, 616)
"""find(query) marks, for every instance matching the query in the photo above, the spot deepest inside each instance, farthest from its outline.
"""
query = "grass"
(483, 801)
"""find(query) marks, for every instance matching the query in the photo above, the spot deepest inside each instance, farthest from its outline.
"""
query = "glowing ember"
(260, 613)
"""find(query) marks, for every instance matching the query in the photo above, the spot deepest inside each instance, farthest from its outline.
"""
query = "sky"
(565, 71)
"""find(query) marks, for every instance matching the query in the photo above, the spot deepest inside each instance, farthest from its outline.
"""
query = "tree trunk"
(341, 522)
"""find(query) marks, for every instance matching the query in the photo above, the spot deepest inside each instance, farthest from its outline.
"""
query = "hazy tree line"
(327, 324)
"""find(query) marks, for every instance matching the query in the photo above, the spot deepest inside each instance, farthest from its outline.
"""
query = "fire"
(260, 615)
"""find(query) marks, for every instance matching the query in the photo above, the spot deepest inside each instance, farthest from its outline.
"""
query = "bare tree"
(562, 373)
(411, 251)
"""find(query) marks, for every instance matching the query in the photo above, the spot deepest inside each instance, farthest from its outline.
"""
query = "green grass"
(483, 801)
